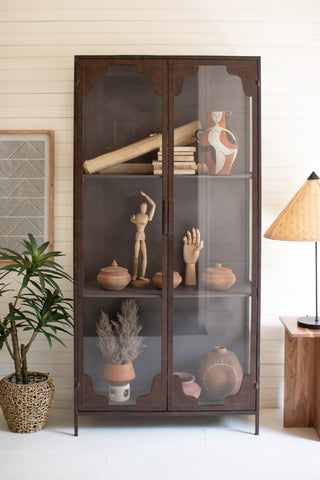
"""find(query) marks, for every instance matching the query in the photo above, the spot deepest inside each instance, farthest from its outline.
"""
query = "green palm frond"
(39, 306)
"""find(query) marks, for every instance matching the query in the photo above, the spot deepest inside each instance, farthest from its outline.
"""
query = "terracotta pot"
(113, 277)
(218, 145)
(119, 374)
(119, 378)
(157, 279)
(189, 385)
(220, 373)
(218, 277)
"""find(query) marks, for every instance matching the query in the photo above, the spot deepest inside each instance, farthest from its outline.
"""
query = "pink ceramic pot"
(189, 386)
(113, 277)
(218, 277)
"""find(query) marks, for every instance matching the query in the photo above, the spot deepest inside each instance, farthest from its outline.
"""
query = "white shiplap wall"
(38, 40)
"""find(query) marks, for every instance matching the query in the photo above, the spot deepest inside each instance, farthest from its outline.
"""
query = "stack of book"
(183, 161)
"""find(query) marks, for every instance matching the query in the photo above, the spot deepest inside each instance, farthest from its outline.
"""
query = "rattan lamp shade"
(299, 221)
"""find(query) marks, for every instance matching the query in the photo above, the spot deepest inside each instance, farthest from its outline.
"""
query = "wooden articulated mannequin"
(141, 220)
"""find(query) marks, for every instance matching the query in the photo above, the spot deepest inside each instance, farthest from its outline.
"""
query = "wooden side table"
(301, 376)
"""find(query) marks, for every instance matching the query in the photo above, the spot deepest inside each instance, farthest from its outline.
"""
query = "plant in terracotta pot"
(120, 343)
(36, 306)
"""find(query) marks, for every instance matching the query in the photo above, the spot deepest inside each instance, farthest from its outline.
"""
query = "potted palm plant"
(36, 307)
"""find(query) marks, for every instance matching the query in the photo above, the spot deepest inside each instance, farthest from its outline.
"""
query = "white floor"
(146, 448)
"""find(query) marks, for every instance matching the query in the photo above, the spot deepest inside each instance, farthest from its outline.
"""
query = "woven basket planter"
(26, 408)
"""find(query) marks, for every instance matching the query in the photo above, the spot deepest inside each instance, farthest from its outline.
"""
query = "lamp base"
(309, 322)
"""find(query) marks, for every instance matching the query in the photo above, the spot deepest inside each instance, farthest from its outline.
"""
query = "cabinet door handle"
(165, 217)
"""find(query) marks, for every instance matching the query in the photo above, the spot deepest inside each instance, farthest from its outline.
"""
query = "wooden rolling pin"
(183, 135)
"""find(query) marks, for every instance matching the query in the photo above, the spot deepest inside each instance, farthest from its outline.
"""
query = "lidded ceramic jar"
(218, 277)
(189, 385)
(157, 279)
(220, 373)
(113, 277)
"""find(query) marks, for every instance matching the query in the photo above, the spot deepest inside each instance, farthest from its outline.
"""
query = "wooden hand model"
(140, 220)
(191, 251)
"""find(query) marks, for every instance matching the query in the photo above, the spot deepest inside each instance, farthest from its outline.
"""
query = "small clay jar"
(189, 385)
(218, 277)
(157, 279)
(113, 277)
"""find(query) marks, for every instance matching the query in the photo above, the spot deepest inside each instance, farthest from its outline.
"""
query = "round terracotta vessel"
(220, 373)
(113, 277)
(218, 277)
(189, 385)
(157, 279)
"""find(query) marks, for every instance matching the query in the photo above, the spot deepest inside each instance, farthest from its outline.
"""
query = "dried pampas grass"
(119, 340)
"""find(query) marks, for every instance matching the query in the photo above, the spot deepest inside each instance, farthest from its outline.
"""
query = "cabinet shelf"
(115, 177)
(244, 176)
(241, 289)
(94, 290)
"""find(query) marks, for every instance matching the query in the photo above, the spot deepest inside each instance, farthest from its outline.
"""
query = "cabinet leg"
(256, 429)
(76, 424)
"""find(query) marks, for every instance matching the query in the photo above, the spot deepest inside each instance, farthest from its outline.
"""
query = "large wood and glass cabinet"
(119, 102)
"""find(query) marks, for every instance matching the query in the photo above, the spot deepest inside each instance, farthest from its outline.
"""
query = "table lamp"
(299, 221)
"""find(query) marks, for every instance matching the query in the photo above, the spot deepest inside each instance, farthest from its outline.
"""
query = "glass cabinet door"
(212, 360)
(120, 315)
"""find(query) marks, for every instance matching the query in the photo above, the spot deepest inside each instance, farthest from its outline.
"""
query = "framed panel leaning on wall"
(26, 187)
